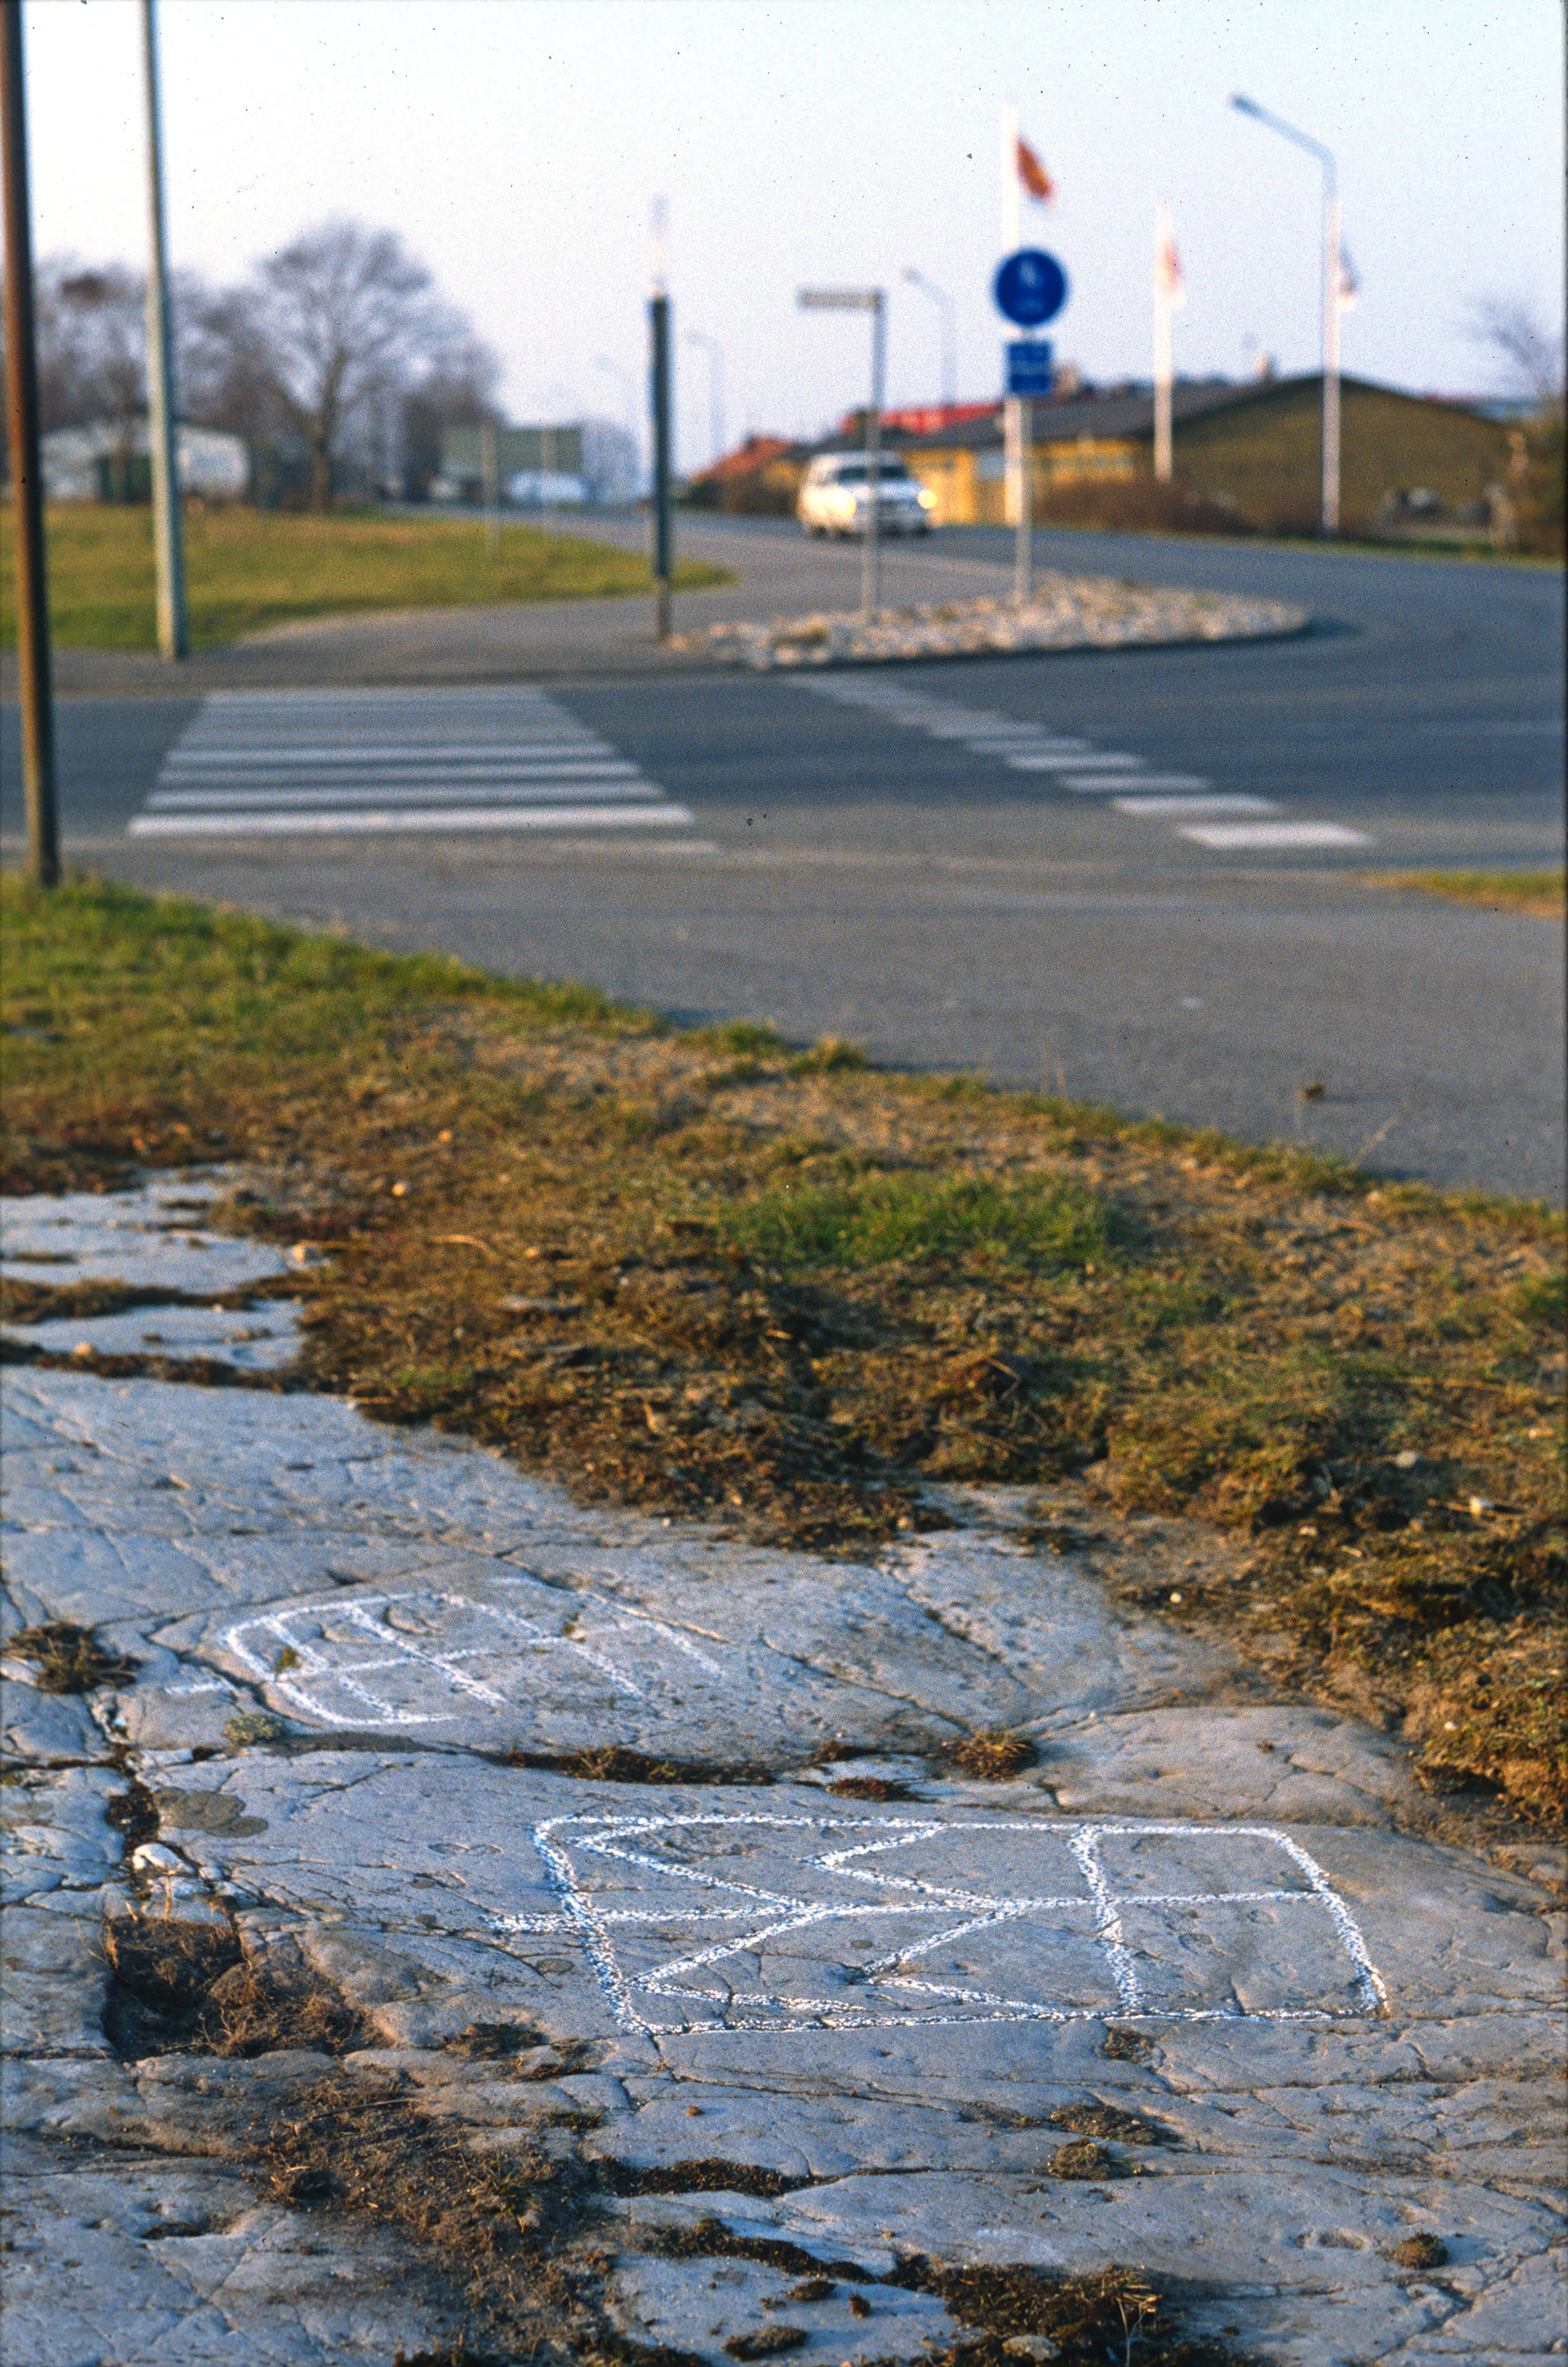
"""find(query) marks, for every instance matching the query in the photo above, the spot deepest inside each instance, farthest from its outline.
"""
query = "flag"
(1169, 280)
(1033, 175)
(1349, 285)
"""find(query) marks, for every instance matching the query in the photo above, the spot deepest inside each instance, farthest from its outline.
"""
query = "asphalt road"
(851, 871)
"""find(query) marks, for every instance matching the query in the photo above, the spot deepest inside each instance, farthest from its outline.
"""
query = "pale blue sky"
(515, 143)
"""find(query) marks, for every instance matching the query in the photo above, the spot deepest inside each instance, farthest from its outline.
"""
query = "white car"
(836, 496)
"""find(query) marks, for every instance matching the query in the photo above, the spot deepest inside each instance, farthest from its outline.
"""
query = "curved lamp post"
(949, 336)
(1331, 276)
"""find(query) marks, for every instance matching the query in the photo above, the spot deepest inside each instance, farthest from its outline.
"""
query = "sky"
(517, 144)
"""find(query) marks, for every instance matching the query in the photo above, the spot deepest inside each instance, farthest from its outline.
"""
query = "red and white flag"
(1169, 280)
(1033, 175)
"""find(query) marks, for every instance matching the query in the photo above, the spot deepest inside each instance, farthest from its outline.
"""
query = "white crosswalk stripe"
(1085, 771)
(507, 757)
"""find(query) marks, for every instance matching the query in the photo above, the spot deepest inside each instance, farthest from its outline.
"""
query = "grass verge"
(249, 568)
(1542, 894)
(703, 1274)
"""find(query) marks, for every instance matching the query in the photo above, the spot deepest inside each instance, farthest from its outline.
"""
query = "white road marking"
(1096, 785)
(323, 763)
(314, 793)
(294, 821)
(1226, 836)
(1085, 771)
(1182, 809)
(681, 1909)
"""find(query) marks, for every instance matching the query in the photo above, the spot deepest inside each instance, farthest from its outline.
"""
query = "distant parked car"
(836, 496)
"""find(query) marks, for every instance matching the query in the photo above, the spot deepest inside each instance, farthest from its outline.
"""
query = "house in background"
(759, 479)
(109, 461)
(1253, 450)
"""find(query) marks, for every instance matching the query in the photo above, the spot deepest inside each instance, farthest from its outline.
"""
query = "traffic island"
(1067, 612)
(535, 1835)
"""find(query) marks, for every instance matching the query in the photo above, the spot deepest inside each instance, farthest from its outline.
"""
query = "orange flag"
(1033, 175)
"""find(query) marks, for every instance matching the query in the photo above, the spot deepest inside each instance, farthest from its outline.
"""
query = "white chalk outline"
(367, 1611)
(770, 1915)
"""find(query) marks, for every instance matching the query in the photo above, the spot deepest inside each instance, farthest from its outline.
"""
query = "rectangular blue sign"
(1028, 365)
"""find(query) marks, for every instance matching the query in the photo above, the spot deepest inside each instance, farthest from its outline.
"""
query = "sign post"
(168, 536)
(26, 480)
(872, 301)
(1031, 288)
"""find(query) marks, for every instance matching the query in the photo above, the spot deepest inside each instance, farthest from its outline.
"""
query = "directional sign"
(1031, 288)
(1030, 370)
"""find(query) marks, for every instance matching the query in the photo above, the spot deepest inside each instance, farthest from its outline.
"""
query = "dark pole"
(27, 481)
(659, 327)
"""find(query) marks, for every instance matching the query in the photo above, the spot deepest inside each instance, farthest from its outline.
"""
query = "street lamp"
(1331, 276)
(949, 331)
(715, 387)
(873, 301)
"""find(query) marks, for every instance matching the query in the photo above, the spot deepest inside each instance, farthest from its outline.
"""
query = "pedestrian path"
(278, 764)
(1222, 822)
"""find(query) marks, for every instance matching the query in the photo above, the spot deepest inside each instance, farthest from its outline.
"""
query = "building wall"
(1265, 457)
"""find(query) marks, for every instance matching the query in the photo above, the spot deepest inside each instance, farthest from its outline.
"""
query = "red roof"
(746, 460)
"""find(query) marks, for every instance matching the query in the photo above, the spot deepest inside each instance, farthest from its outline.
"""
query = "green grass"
(1540, 893)
(1039, 1224)
(247, 568)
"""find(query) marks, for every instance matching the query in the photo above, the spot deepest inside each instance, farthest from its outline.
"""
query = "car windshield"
(856, 473)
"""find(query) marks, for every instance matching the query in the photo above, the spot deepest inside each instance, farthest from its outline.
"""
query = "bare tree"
(459, 390)
(340, 315)
(1517, 336)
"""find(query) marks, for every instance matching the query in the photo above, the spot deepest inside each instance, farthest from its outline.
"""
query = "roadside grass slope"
(710, 1273)
(249, 568)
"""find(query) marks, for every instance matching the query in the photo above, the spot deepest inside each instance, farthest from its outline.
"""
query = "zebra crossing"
(1220, 821)
(321, 763)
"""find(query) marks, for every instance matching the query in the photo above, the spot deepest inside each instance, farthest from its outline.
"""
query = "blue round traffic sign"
(1030, 286)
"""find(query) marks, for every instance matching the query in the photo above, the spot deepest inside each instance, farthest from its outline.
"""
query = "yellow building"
(1253, 449)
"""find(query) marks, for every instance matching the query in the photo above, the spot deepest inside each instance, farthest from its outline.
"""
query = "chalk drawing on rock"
(420, 1658)
(757, 1922)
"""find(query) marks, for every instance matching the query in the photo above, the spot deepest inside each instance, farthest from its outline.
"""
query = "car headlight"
(926, 498)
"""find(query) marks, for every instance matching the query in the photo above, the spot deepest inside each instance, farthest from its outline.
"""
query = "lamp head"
(1244, 106)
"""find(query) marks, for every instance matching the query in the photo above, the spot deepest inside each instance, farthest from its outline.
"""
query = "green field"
(249, 568)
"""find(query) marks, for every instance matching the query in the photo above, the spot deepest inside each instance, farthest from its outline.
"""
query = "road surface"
(972, 865)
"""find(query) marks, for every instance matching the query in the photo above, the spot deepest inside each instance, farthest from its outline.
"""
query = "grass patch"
(249, 568)
(794, 1296)
(1542, 894)
(68, 1658)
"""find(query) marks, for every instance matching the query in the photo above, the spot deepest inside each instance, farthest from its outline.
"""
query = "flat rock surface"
(1193, 1992)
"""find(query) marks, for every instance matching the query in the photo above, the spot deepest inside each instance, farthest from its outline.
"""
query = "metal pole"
(1016, 503)
(1163, 465)
(1329, 509)
(872, 543)
(26, 477)
(490, 466)
(1023, 569)
(168, 541)
(659, 331)
(949, 310)
(1331, 270)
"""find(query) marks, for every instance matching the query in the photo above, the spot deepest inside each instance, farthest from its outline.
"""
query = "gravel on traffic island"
(434, 1866)
(1067, 612)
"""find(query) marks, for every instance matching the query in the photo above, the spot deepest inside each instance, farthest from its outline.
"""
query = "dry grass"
(185, 1987)
(1542, 895)
(706, 1274)
(69, 1659)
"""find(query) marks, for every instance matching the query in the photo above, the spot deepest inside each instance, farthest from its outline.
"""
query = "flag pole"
(1163, 294)
(1017, 500)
